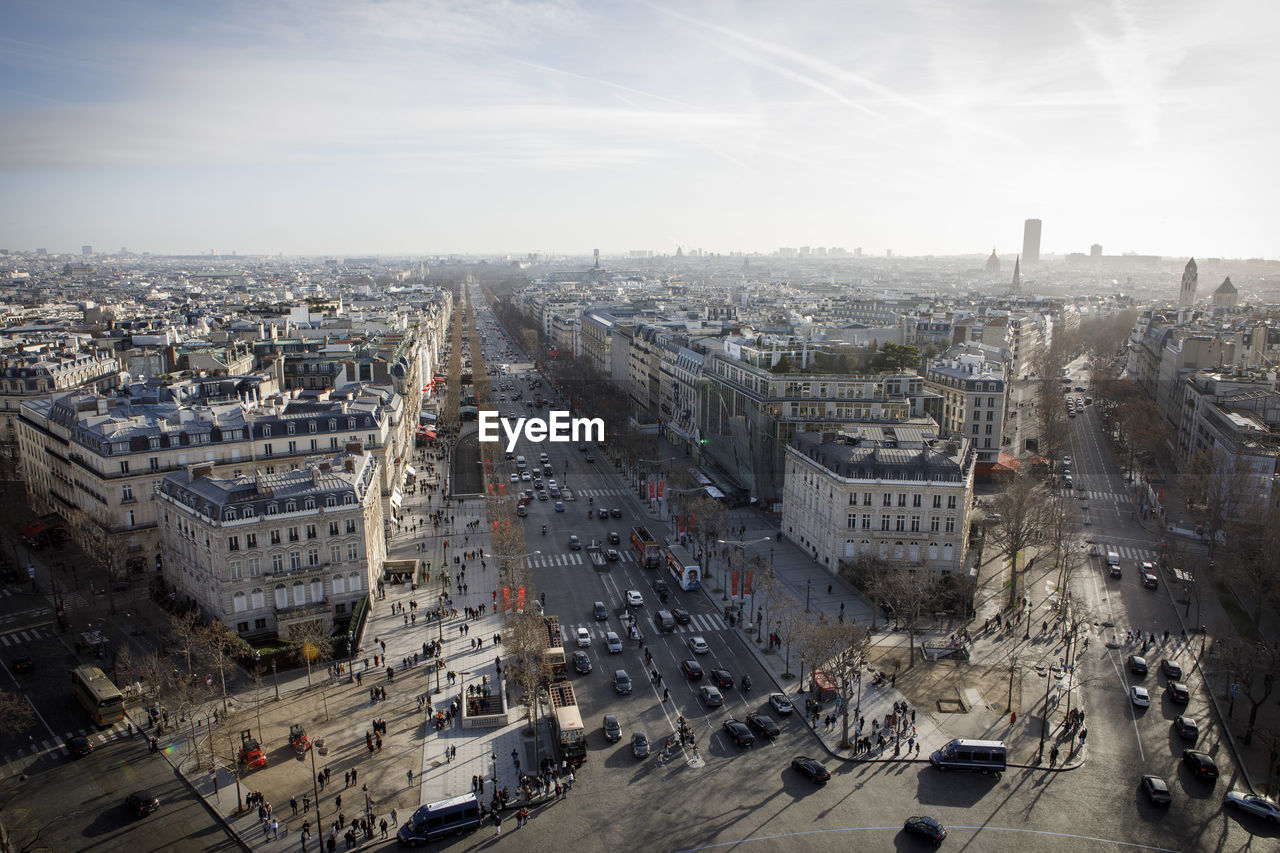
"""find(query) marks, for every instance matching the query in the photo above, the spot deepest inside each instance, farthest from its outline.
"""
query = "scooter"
(746, 683)
(544, 530)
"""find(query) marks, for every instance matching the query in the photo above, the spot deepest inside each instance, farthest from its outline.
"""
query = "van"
(520, 463)
(664, 621)
(1113, 558)
(971, 756)
(433, 821)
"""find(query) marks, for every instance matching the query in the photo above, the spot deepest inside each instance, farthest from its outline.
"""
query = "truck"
(597, 556)
(646, 547)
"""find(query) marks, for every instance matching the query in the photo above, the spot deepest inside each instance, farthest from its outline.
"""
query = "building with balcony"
(972, 381)
(267, 553)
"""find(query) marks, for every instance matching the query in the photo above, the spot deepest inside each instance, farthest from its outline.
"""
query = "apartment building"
(972, 381)
(40, 376)
(267, 553)
(897, 493)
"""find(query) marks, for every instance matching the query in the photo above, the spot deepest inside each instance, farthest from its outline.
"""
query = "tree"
(309, 641)
(789, 618)
(104, 549)
(909, 592)
(1254, 666)
(1254, 562)
(709, 523)
(839, 650)
(220, 645)
(764, 587)
(869, 575)
(1020, 505)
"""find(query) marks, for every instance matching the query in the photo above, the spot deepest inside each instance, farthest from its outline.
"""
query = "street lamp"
(743, 545)
(275, 678)
(808, 584)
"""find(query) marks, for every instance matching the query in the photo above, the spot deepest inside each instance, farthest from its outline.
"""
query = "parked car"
(1200, 763)
(811, 767)
(640, 744)
(1138, 696)
(740, 734)
(1157, 790)
(1137, 665)
(781, 703)
(1187, 728)
(1172, 669)
(926, 827)
(1178, 693)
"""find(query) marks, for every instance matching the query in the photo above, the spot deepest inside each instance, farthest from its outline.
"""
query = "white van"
(520, 463)
(1113, 557)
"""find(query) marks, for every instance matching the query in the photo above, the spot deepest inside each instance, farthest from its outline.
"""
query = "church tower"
(1016, 286)
(1190, 281)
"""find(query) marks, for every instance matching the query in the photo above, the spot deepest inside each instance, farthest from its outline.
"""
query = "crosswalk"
(704, 623)
(600, 493)
(50, 746)
(28, 635)
(573, 558)
(1103, 496)
(1127, 552)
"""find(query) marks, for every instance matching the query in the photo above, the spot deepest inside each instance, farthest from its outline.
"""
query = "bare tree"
(839, 651)
(789, 619)
(309, 641)
(1255, 666)
(220, 645)
(908, 591)
(869, 574)
(15, 713)
(104, 549)
(709, 523)
(1020, 505)
(765, 588)
(183, 639)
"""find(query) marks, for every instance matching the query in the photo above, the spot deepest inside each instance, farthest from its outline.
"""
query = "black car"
(1178, 693)
(640, 744)
(612, 731)
(692, 669)
(614, 538)
(681, 615)
(741, 735)
(660, 587)
(591, 457)
(1172, 669)
(581, 662)
(79, 746)
(141, 803)
(764, 724)
(1137, 665)
(721, 678)
(602, 514)
(23, 664)
(1200, 763)
(926, 827)
(1187, 728)
(811, 767)
(616, 513)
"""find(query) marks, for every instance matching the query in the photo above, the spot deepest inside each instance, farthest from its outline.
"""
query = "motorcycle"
(746, 684)
(544, 530)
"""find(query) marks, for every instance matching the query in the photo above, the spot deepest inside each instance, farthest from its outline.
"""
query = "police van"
(433, 821)
(971, 756)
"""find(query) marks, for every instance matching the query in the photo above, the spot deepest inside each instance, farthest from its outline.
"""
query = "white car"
(634, 598)
(781, 703)
(1139, 696)
(699, 645)
(1253, 804)
(584, 638)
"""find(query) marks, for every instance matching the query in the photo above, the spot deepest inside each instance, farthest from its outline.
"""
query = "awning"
(409, 471)
(713, 492)
(429, 433)
(396, 498)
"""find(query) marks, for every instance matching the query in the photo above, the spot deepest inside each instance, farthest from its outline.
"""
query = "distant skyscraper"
(1095, 251)
(1190, 281)
(1016, 285)
(597, 263)
(86, 250)
(1031, 241)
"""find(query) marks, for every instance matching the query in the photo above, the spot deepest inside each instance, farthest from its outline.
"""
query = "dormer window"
(272, 509)
(291, 507)
(311, 425)
(290, 428)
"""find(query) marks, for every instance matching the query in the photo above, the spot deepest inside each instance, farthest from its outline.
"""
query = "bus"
(553, 659)
(566, 724)
(102, 699)
(646, 548)
(683, 567)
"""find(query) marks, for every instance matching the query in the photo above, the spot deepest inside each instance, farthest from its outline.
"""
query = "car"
(681, 615)
(764, 724)
(640, 744)
(23, 664)
(661, 588)
(1253, 804)
(1178, 693)
(141, 803)
(79, 746)
(543, 496)
(601, 612)
(780, 703)
(613, 643)
(612, 555)
(584, 638)
(522, 511)
(614, 538)
(559, 506)
(711, 697)
(1201, 763)
(1187, 728)
(612, 731)
(1080, 389)
(1138, 696)
(1137, 665)
(739, 732)
(811, 767)
(591, 457)
(692, 669)
(526, 476)
(621, 681)
(1157, 790)
(515, 478)
(1172, 669)
(582, 447)
(1067, 481)
(1150, 579)
(616, 512)
(722, 679)
(575, 544)
(581, 662)
(1115, 570)
(1066, 460)
(602, 514)
(925, 827)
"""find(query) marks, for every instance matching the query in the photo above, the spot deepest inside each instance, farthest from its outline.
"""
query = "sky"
(501, 126)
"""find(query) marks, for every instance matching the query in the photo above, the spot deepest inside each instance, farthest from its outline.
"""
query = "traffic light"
(702, 441)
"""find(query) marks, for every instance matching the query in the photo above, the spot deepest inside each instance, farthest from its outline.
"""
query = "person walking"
(497, 824)
(409, 775)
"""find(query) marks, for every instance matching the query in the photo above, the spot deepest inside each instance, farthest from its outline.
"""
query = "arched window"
(339, 584)
(299, 593)
(933, 550)
(354, 582)
(257, 598)
(317, 590)
(239, 602)
(282, 596)
(913, 552)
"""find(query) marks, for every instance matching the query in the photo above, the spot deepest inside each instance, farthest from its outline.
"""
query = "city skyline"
(415, 128)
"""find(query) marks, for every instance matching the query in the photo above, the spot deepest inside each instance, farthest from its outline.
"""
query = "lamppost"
(808, 585)
(742, 545)
(275, 678)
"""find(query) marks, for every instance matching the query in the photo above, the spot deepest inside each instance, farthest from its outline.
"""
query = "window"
(852, 520)
(266, 431)
(991, 401)
(254, 567)
(951, 524)
(129, 518)
(239, 604)
(335, 553)
(233, 568)
(937, 501)
(976, 428)
(916, 500)
(154, 463)
(351, 525)
(233, 543)
(311, 531)
(248, 511)
(124, 466)
(311, 425)
(299, 593)
(313, 556)
(259, 624)
(902, 499)
(884, 522)
(242, 627)
(257, 599)
(353, 582)
(295, 560)
(888, 499)
(935, 524)
(293, 447)
(915, 524)
(339, 584)
(271, 509)
(293, 532)
(289, 428)
(277, 564)
(333, 528)
(353, 553)
(866, 521)
(900, 523)
(330, 501)
(866, 499)
(266, 448)
(951, 501)
(333, 442)
(251, 540)
(126, 493)
(275, 537)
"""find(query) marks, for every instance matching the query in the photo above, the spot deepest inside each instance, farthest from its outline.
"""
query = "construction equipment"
(298, 738)
(251, 756)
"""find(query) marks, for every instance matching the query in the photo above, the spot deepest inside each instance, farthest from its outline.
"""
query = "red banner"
(746, 587)
(733, 585)
(506, 599)
(652, 490)
(679, 524)
(520, 600)
(661, 485)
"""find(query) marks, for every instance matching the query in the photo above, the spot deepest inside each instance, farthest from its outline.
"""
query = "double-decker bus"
(683, 567)
(646, 547)
(566, 724)
(102, 699)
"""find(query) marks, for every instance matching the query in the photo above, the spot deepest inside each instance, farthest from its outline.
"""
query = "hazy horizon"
(319, 127)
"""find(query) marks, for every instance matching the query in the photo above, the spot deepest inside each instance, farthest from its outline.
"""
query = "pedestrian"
(347, 779)
(382, 825)
(306, 803)
(293, 804)
(497, 823)
(409, 775)
(337, 803)
(353, 775)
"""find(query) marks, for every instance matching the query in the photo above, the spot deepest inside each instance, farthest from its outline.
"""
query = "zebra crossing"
(27, 635)
(573, 558)
(1102, 496)
(698, 624)
(1127, 552)
(50, 746)
(600, 493)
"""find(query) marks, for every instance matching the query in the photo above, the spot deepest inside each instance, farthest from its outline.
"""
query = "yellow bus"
(102, 699)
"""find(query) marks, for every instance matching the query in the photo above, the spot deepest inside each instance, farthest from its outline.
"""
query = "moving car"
(621, 682)
(1157, 790)
(612, 731)
(722, 679)
(141, 803)
(559, 506)
(681, 615)
(1253, 804)
(601, 612)
(811, 767)
(692, 669)
(1149, 578)
(23, 664)
(781, 703)
(575, 544)
(1187, 728)
(581, 662)
(1138, 696)
(613, 643)
(926, 827)
(584, 638)
(1178, 693)
(640, 744)
(616, 512)
(1172, 669)
(1200, 763)
(1137, 665)
(612, 555)
(764, 724)
(739, 732)
(711, 697)
(79, 746)
(614, 538)
(698, 644)
(634, 598)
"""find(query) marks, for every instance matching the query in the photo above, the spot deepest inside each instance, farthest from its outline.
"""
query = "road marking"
(897, 828)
